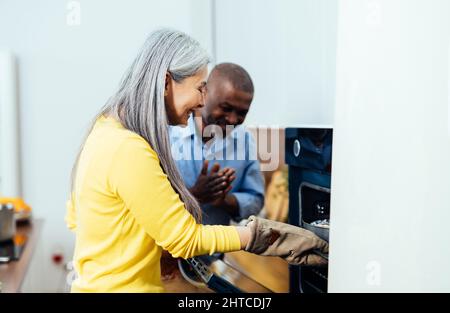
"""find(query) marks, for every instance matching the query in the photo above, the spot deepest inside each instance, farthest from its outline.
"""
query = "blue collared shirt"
(237, 150)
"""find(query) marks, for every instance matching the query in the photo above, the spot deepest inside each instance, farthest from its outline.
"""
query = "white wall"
(66, 74)
(289, 49)
(391, 169)
(10, 183)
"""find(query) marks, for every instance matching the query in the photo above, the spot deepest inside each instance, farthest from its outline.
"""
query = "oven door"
(314, 215)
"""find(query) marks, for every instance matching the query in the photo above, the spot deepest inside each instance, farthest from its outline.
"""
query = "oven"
(308, 156)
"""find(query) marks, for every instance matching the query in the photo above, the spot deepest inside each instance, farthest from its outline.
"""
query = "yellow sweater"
(124, 211)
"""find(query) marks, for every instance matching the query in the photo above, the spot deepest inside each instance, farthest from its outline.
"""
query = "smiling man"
(216, 155)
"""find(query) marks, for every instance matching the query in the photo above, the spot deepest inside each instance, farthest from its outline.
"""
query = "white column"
(390, 196)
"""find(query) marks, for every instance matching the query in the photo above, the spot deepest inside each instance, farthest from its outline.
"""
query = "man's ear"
(167, 84)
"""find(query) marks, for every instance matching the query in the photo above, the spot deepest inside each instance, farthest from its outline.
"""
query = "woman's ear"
(167, 84)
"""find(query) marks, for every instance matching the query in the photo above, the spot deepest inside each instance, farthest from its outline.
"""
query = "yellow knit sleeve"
(138, 179)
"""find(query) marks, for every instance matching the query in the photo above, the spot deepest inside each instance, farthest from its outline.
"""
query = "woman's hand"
(294, 244)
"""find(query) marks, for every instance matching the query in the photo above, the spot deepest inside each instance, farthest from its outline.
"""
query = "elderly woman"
(128, 201)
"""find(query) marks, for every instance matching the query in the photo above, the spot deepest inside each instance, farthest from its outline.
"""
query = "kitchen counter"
(13, 273)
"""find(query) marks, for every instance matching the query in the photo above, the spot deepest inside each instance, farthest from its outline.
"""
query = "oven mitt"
(294, 244)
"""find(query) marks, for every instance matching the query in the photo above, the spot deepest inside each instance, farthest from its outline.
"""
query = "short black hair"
(235, 74)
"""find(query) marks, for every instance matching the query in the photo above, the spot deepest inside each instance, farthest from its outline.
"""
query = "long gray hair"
(139, 101)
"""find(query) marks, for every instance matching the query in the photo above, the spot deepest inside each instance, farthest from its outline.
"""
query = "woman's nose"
(201, 103)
